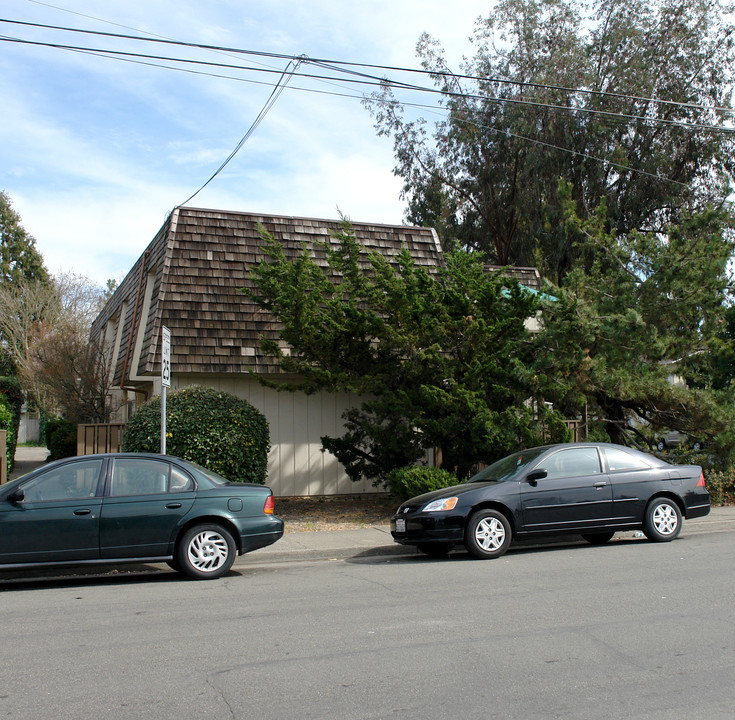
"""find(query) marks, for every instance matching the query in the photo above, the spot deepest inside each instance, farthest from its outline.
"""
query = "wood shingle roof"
(189, 279)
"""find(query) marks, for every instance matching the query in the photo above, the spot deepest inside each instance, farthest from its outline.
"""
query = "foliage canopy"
(627, 103)
(439, 358)
(638, 316)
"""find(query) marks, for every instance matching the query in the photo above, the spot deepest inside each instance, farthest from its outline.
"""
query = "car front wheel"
(663, 520)
(488, 534)
(206, 552)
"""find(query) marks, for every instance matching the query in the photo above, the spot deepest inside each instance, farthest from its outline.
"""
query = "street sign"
(165, 380)
(165, 357)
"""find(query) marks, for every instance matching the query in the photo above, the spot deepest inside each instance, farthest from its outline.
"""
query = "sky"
(96, 152)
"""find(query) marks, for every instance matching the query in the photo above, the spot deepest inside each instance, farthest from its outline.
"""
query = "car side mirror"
(535, 475)
(17, 496)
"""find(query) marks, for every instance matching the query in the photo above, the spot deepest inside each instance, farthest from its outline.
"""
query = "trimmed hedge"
(214, 429)
(407, 482)
(61, 438)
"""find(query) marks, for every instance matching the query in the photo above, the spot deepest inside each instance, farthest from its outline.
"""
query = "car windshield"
(508, 468)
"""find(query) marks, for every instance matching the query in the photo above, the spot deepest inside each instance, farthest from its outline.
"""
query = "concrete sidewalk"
(376, 541)
(363, 542)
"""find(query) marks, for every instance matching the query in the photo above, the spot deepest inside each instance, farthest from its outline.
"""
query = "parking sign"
(165, 357)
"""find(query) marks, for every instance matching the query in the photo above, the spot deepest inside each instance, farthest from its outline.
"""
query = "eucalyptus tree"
(630, 103)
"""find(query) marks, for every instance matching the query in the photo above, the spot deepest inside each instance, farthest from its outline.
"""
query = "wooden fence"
(99, 438)
(578, 428)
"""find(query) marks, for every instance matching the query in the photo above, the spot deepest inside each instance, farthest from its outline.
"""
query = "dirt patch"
(335, 513)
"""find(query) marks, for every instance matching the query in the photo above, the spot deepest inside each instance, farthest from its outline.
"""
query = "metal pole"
(163, 420)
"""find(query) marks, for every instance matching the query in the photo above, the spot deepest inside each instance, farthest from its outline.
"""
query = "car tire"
(663, 520)
(435, 550)
(597, 538)
(697, 446)
(205, 552)
(661, 446)
(487, 534)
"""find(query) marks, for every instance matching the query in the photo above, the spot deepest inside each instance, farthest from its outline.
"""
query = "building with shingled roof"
(189, 280)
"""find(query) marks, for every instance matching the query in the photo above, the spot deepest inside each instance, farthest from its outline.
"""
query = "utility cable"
(326, 62)
(376, 81)
(286, 75)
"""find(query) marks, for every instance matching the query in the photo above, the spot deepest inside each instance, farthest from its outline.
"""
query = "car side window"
(143, 476)
(620, 461)
(68, 482)
(180, 482)
(138, 476)
(573, 462)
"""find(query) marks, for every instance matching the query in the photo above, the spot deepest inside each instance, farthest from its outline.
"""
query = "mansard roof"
(189, 279)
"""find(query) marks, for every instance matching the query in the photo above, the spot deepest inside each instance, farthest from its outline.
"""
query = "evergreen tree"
(439, 358)
(632, 105)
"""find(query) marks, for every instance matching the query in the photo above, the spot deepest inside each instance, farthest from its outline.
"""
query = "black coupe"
(588, 489)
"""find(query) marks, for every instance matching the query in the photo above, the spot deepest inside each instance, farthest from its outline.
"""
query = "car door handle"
(83, 511)
(600, 484)
(173, 505)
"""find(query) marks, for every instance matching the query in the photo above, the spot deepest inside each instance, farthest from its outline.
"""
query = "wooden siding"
(194, 270)
(296, 464)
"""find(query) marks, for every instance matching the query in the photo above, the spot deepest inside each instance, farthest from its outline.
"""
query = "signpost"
(165, 380)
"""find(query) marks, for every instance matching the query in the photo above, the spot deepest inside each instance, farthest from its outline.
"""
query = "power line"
(372, 81)
(332, 63)
(286, 75)
(363, 79)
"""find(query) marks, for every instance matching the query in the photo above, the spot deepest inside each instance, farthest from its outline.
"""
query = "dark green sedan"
(117, 508)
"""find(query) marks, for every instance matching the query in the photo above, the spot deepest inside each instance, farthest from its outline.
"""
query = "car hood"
(457, 490)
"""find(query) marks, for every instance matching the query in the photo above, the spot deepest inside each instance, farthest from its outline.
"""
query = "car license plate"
(400, 525)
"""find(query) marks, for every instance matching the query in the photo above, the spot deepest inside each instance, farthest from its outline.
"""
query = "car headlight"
(442, 504)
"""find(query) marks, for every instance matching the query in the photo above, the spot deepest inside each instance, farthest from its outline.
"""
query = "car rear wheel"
(206, 552)
(488, 534)
(599, 538)
(663, 520)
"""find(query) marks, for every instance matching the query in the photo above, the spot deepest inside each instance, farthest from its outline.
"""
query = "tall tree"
(20, 265)
(632, 105)
(45, 326)
(638, 315)
(439, 358)
(19, 258)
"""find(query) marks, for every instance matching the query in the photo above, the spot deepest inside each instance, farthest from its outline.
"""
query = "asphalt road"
(628, 630)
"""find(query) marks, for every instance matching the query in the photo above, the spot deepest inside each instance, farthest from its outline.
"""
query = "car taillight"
(700, 483)
(269, 505)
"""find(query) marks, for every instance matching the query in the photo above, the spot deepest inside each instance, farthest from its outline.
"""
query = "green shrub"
(6, 421)
(61, 438)
(12, 394)
(721, 485)
(6, 414)
(407, 482)
(214, 429)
